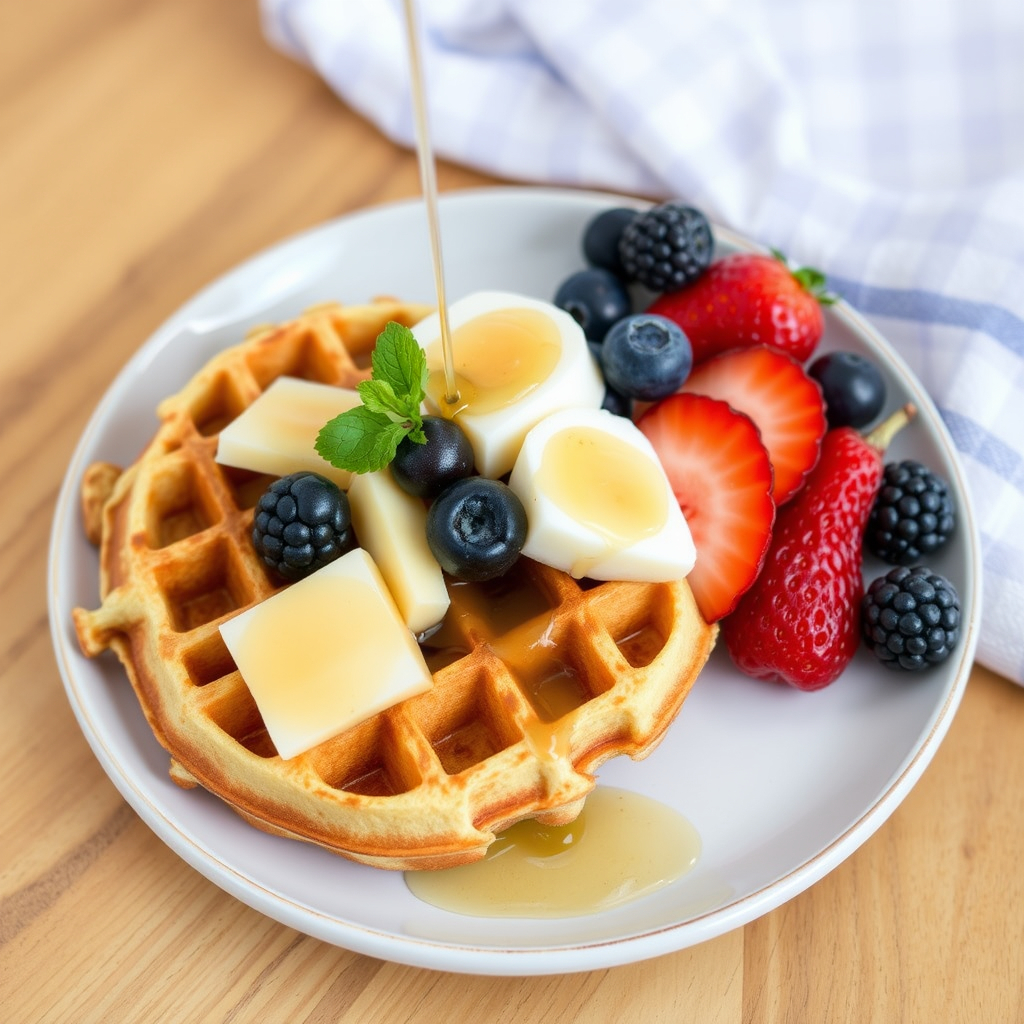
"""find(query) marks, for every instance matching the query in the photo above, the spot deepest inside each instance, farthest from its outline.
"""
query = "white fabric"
(879, 140)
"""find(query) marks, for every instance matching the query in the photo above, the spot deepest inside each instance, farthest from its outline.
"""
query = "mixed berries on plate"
(762, 440)
(774, 451)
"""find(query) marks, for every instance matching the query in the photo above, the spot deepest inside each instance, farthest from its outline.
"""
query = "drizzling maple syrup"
(428, 178)
(605, 858)
(502, 356)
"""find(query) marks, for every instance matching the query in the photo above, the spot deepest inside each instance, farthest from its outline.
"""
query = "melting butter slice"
(277, 433)
(326, 653)
(598, 501)
(392, 526)
(517, 359)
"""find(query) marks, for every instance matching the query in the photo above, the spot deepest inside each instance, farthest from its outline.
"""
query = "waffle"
(538, 678)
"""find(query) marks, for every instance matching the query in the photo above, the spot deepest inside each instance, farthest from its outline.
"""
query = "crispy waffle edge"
(199, 709)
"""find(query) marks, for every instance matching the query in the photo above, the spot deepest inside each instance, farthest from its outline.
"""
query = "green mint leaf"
(399, 361)
(364, 439)
(359, 440)
(378, 396)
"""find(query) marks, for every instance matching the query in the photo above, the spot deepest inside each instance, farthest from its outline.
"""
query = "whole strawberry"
(799, 622)
(749, 299)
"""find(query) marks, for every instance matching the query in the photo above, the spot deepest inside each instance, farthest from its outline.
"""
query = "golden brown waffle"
(538, 679)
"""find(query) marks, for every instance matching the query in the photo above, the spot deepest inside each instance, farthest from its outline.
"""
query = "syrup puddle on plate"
(622, 846)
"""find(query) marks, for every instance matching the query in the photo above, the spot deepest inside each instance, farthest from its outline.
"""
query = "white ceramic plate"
(781, 785)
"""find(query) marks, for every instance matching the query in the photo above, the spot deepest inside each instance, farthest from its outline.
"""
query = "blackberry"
(302, 522)
(910, 618)
(666, 247)
(912, 516)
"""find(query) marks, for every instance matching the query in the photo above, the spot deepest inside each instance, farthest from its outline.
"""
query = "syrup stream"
(610, 869)
(428, 178)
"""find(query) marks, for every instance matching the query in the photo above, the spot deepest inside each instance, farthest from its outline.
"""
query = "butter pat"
(516, 360)
(326, 653)
(598, 501)
(277, 433)
(392, 526)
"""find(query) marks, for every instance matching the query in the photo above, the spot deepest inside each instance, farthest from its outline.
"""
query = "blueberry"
(852, 387)
(614, 401)
(302, 522)
(646, 356)
(476, 529)
(425, 470)
(595, 299)
(601, 238)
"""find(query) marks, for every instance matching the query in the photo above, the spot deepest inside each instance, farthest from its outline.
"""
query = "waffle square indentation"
(217, 406)
(494, 608)
(551, 673)
(640, 646)
(366, 760)
(246, 487)
(208, 660)
(640, 629)
(204, 586)
(465, 721)
(181, 504)
(304, 355)
(234, 711)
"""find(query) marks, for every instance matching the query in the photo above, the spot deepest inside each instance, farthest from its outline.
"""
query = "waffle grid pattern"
(538, 679)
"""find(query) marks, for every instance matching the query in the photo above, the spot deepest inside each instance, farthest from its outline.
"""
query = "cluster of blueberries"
(643, 356)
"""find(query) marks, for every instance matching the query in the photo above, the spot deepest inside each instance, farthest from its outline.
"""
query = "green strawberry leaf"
(812, 281)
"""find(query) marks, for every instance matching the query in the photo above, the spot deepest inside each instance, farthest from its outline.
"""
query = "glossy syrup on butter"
(503, 355)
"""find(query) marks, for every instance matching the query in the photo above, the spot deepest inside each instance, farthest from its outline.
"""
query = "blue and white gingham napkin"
(880, 140)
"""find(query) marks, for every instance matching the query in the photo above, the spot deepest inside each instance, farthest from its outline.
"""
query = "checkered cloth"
(881, 141)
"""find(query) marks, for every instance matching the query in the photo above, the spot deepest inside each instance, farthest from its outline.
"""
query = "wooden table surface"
(145, 148)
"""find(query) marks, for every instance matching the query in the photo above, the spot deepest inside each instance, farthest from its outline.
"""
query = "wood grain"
(146, 148)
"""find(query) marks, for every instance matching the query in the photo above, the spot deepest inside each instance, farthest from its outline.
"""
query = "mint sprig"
(365, 438)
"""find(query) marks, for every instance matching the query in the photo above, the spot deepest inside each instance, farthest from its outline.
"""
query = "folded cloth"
(881, 142)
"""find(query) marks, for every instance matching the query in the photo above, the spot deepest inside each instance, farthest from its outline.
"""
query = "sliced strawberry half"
(773, 389)
(722, 479)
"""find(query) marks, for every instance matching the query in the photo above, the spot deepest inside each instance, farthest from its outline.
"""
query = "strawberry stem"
(811, 280)
(882, 435)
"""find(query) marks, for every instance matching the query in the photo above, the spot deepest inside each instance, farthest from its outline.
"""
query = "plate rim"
(466, 957)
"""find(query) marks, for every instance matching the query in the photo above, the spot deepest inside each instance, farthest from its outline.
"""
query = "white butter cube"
(516, 360)
(277, 433)
(598, 502)
(326, 653)
(392, 526)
